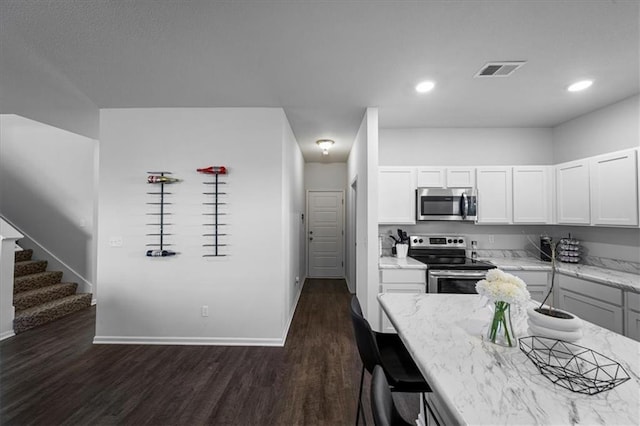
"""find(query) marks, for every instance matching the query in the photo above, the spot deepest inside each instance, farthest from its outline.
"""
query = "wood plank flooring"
(54, 375)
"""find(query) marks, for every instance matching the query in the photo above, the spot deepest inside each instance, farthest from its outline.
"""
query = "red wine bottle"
(161, 179)
(214, 170)
(160, 253)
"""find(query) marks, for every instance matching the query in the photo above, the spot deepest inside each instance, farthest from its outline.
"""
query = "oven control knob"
(415, 240)
(449, 240)
(420, 240)
(461, 241)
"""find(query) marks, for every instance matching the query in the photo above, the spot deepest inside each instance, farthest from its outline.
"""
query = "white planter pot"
(555, 327)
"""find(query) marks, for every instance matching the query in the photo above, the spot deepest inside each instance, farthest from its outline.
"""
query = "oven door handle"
(457, 274)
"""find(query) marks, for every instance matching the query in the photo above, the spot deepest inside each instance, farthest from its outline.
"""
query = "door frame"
(306, 231)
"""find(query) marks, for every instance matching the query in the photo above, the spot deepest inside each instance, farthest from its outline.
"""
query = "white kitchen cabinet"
(573, 193)
(632, 315)
(495, 196)
(446, 177)
(614, 192)
(409, 281)
(396, 195)
(537, 283)
(431, 177)
(461, 177)
(591, 301)
(532, 194)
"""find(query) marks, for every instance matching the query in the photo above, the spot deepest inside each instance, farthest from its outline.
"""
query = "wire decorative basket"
(572, 366)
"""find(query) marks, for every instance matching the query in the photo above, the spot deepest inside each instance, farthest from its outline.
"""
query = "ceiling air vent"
(499, 69)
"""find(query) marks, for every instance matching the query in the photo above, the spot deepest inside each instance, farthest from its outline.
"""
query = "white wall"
(47, 190)
(325, 176)
(465, 146)
(293, 182)
(362, 167)
(608, 129)
(33, 88)
(159, 300)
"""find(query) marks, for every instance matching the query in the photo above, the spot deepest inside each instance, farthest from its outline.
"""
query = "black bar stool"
(384, 410)
(387, 351)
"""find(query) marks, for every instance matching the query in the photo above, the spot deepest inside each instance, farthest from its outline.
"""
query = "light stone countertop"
(622, 280)
(482, 383)
(392, 262)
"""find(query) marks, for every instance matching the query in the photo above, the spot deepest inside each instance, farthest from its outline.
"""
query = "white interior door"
(325, 234)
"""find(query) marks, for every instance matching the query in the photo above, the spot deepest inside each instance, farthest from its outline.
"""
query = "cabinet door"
(431, 177)
(632, 328)
(593, 310)
(532, 191)
(396, 195)
(412, 288)
(537, 283)
(495, 202)
(614, 192)
(572, 192)
(461, 177)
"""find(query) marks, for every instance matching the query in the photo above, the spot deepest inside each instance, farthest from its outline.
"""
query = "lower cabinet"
(412, 281)
(537, 283)
(632, 313)
(591, 301)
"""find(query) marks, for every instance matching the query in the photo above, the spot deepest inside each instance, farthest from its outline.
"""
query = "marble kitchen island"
(477, 382)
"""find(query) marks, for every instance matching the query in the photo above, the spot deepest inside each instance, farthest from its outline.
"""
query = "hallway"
(55, 375)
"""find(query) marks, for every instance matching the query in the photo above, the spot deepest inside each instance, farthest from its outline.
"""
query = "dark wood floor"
(55, 375)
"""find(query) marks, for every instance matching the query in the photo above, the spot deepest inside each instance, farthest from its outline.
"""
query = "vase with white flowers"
(503, 290)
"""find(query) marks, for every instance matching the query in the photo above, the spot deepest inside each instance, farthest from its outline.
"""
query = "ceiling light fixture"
(324, 145)
(580, 85)
(425, 86)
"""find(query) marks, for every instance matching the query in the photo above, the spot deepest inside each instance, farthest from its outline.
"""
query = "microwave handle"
(464, 201)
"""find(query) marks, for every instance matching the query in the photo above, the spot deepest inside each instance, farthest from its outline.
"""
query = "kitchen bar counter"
(622, 280)
(392, 262)
(480, 383)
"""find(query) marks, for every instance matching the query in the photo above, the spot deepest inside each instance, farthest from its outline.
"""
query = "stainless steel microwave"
(446, 204)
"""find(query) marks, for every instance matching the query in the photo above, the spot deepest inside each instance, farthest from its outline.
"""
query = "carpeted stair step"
(31, 298)
(28, 267)
(50, 311)
(34, 281)
(23, 255)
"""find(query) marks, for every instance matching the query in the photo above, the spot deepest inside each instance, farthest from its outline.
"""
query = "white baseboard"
(293, 312)
(6, 335)
(193, 341)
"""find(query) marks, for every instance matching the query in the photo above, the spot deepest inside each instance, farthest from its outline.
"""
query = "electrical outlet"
(115, 241)
(204, 310)
(492, 239)
(297, 280)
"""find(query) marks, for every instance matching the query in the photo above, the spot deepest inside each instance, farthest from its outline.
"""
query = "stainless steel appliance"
(446, 204)
(448, 268)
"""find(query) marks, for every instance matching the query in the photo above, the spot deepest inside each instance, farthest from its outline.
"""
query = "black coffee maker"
(545, 248)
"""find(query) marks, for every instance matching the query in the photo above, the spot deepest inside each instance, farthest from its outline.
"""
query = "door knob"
(310, 238)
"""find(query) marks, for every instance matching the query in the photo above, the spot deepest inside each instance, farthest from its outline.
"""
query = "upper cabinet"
(446, 177)
(572, 190)
(397, 195)
(533, 194)
(495, 202)
(614, 191)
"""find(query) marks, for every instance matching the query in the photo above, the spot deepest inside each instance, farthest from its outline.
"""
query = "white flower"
(498, 286)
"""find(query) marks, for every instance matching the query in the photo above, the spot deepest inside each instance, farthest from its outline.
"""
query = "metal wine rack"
(160, 179)
(215, 204)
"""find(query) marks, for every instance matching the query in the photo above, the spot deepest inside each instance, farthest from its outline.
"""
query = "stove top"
(444, 252)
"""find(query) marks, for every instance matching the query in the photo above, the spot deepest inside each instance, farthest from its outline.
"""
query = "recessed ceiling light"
(580, 85)
(425, 86)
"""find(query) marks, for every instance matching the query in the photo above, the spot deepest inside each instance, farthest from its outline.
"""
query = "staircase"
(39, 296)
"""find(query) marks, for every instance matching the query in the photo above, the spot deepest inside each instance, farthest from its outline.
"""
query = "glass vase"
(500, 329)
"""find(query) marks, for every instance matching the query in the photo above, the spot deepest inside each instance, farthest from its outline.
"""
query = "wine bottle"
(160, 253)
(161, 179)
(214, 170)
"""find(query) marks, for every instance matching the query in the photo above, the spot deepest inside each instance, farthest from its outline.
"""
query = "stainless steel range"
(449, 270)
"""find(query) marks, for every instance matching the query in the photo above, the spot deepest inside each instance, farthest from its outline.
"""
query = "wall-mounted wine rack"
(160, 179)
(215, 225)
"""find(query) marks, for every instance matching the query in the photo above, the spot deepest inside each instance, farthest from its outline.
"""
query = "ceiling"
(325, 61)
